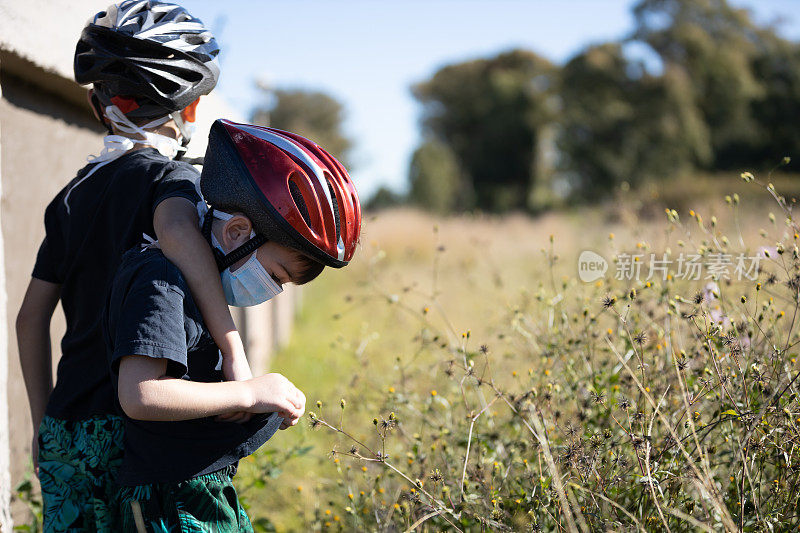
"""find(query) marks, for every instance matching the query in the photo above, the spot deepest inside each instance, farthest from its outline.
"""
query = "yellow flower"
(391, 390)
(433, 392)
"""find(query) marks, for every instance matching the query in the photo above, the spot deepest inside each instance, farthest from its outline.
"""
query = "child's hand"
(274, 393)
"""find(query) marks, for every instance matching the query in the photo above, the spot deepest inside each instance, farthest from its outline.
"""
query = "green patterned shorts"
(78, 464)
(205, 503)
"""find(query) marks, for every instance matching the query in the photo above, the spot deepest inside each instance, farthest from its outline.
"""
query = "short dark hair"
(305, 269)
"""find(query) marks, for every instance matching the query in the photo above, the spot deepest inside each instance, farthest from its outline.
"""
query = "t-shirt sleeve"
(45, 266)
(178, 182)
(150, 323)
(51, 251)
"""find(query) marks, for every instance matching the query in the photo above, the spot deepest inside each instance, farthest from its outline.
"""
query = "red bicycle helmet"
(294, 192)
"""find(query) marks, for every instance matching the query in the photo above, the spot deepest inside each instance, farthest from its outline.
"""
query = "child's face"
(279, 261)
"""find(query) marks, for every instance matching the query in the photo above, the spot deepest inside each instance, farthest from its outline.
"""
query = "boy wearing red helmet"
(149, 62)
(281, 209)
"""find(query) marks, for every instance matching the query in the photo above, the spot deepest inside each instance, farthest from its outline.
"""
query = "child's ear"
(236, 231)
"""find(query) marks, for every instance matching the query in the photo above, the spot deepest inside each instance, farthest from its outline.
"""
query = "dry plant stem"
(469, 442)
(554, 472)
(650, 480)
(612, 502)
(382, 460)
(416, 524)
(702, 477)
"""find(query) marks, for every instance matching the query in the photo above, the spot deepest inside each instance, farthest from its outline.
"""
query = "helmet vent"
(297, 196)
(335, 201)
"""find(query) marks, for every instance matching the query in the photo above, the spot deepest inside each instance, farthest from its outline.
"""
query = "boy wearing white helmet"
(281, 209)
(148, 62)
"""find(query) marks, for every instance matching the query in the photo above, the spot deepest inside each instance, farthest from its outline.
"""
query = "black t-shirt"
(83, 245)
(151, 313)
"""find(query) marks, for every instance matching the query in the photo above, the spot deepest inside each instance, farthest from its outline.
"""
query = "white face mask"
(115, 146)
(250, 284)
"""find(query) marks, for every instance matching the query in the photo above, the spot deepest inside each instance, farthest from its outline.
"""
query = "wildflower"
(640, 338)
(698, 298)
(434, 393)
(436, 476)
(624, 403)
(609, 302)
(484, 349)
(343, 403)
(598, 397)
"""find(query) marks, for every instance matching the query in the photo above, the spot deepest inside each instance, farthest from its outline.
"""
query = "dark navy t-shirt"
(151, 313)
(83, 245)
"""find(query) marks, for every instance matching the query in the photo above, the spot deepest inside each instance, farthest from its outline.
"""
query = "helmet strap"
(226, 260)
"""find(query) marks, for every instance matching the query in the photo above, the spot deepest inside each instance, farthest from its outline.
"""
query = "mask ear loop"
(225, 261)
(243, 251)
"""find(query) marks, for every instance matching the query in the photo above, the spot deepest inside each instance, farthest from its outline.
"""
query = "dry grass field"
(461, 376)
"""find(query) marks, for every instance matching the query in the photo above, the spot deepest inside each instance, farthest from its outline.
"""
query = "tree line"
(713, 91)
(513, 131)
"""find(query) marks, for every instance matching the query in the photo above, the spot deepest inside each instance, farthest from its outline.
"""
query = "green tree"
(312, 114)
(619, 123)
(435, 180)
(489, 113)
(384, 198)
(715, 45)
(778, 107)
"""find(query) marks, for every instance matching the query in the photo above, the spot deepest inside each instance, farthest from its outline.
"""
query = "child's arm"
(178, 232)
(147, 393)
(33, 341)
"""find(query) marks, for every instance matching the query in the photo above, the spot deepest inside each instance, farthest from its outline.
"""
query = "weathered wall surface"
(44, 32)
(44, 142)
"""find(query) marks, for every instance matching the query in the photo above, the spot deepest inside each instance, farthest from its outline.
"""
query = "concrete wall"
(44, 32)
(44, 141)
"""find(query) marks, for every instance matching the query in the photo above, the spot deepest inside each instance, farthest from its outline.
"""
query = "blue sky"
(367, 53)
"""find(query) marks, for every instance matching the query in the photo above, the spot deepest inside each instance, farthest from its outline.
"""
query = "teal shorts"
(204, 503)
(78, 464)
